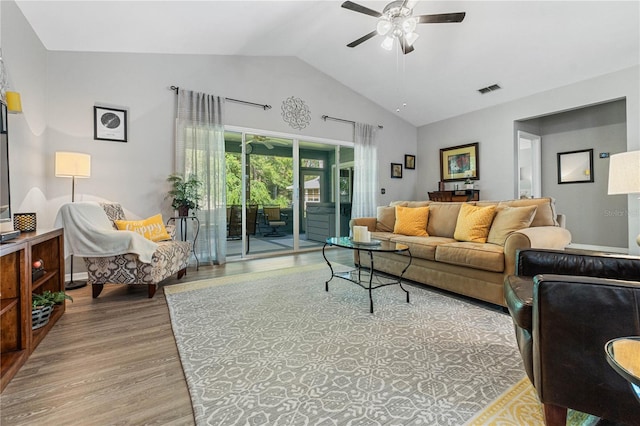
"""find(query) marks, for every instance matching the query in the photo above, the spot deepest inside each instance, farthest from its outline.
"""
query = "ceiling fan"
(266, 141)
(397, 22)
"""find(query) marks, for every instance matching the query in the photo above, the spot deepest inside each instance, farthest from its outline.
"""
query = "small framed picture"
(109, 124)
(396, 170)
(409, 162)
(3, 118)
(575, 166)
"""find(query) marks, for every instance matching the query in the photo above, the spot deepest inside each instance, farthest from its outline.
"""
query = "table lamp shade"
(624, 173)
(73, 164)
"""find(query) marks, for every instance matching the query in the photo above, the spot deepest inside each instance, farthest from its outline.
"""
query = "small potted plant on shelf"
(468, 183)
(42, 306)
(185, 193)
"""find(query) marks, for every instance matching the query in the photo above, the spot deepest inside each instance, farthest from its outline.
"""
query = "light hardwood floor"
(113, 360)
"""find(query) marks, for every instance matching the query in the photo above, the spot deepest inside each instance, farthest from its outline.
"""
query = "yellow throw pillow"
(508, 220)
(411, 221)
(473, 223)
(151, 228)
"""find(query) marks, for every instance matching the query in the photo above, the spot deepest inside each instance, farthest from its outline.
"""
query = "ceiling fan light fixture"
(411, 38)
(384, 26)
(409, 25)
(387, 44)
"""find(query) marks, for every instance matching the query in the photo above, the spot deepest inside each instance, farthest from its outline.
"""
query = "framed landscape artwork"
(109, 124)
(575, 166)
(459, 163)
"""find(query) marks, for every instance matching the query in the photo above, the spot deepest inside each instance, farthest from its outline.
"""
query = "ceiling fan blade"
(363, 39)
(361, 9)
(441, 18)
(406, 47)
(410, 3)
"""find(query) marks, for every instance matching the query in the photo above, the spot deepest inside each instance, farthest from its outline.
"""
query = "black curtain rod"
(263, 106)
(326, 117)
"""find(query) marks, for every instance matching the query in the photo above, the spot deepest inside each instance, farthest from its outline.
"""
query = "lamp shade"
(73, 164)
(624, 173)
(14, 104)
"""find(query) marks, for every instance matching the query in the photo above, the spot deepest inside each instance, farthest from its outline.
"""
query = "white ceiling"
(525, 47)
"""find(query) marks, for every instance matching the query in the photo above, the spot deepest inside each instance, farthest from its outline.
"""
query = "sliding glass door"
(271, 182)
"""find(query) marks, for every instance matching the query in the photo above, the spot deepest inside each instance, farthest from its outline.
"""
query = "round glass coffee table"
(623, 355)
(367, 278)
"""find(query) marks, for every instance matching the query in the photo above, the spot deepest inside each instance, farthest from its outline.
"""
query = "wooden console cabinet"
(17, 339)
(458, 195)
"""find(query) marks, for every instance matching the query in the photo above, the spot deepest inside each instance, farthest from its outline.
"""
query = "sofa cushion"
(442, 219)
(385, 219)
(152, 228)
(418, 203)
(545, 214)
(473, 223)
(411, 221)
(487, 257)
(508, 220)
(382, 235)
(422, 247)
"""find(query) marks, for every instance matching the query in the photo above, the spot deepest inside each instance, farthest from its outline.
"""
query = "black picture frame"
(396, 170)
(109, 124)
(575, 166)
(3, 118)
(459, 163)
(409, 162)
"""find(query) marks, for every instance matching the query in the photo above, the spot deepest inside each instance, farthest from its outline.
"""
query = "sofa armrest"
(369, 222)
(549, 237)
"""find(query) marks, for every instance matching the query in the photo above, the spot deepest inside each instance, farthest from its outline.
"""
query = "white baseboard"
(621, 250)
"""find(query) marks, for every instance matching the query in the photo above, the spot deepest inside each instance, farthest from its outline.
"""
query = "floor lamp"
(624, 175)
(73, 165)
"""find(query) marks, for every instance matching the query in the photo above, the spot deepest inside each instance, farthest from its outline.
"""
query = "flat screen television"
(5, 195)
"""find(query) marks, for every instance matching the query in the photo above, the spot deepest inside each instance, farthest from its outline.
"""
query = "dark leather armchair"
(565, 307)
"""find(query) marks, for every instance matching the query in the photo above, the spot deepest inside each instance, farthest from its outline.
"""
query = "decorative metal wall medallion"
(296, 113)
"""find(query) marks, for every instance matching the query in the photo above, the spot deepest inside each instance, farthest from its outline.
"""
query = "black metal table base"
(356, 275)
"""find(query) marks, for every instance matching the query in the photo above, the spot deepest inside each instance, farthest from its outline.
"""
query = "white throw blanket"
(88, 232)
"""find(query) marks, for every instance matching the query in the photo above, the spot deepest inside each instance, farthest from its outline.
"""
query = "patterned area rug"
(274, 348)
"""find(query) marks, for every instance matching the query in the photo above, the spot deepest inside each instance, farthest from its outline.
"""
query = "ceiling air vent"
(488, 89)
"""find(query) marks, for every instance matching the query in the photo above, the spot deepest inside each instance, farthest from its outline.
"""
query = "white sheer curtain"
(200, 151)
(365, 173)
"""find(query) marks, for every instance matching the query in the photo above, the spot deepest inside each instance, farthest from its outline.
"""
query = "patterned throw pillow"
(473, 223)
(151, 228)
(411, 221)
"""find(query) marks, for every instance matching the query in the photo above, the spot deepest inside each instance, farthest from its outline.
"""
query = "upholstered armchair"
(115, 256)
(565, 307)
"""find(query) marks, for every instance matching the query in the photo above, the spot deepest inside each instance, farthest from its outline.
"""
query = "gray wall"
(593, 216)
(495, 127)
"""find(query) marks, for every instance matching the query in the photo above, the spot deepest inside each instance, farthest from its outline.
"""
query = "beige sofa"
(475, 269)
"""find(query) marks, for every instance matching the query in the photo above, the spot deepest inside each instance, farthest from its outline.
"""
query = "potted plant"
(185, 193)
(42, 306)
(468, 183)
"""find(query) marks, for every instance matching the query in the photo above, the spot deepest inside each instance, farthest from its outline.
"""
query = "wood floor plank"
(113, 360)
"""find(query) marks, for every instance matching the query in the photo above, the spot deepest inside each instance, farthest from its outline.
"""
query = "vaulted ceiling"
(526, 47)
